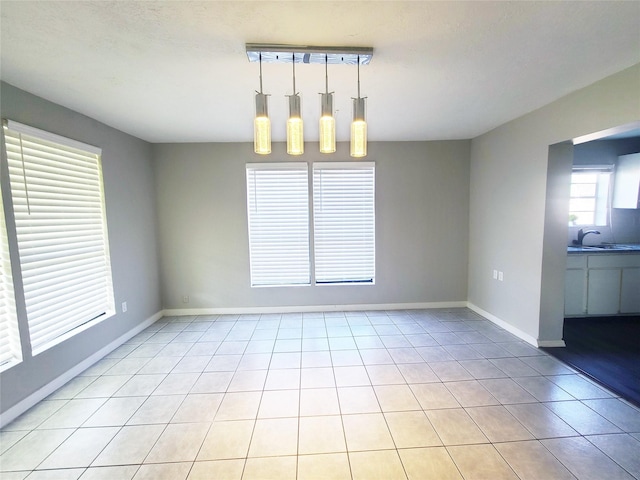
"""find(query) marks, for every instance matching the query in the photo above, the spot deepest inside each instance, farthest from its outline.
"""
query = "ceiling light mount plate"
(277, 53)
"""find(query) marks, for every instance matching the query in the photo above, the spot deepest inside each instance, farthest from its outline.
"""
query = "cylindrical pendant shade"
(262, 127)
(295, 127)
(327, 125)
(358, 129)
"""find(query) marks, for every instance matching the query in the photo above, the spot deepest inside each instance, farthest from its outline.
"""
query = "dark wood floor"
(607, 349)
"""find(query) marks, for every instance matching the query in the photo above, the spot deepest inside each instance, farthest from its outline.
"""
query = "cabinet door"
(574, 292)
(630, 292)
(603, 296)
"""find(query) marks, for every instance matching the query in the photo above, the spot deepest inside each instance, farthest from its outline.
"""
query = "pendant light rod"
(358, 76)
(261, 73)
(326, 73)
(293, 64)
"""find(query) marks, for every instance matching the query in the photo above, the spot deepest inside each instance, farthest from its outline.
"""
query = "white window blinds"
(10, 351)
(344, 222)
(58, 201)
(278, 214)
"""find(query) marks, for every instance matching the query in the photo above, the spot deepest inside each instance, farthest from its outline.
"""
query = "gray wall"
(422, 203)
(508, 199)
(625, 223)
(131, 216)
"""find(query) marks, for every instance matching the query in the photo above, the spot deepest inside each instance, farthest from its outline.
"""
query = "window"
(61, 231)
(589, 195)
(279, 223)
(344, 222)
(10, 351)
(278, 212)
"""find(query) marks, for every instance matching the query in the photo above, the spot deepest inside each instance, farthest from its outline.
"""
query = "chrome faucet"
(582, 234)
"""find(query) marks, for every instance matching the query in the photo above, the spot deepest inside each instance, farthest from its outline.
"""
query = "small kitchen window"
(589, 200)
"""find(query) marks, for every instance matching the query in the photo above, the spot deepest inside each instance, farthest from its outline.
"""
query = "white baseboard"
(516, 331)
(177, 312)
(551, 343)
(18, 409)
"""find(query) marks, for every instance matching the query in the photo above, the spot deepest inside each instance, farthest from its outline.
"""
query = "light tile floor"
(429, 394)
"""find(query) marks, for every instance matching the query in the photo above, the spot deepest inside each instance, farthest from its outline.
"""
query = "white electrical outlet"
(501, 276)
(495, 274)
(124, 307)
(185, 299)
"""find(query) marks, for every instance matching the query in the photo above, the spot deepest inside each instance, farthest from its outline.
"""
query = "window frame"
(601, 196)
(62, 239)
(311, 228)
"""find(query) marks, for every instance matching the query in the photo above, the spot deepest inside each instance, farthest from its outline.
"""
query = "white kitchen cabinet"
(630, 291)
(626, 185)
(603, 295)
(575, 286)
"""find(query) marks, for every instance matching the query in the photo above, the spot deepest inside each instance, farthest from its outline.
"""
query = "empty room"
(317, 239)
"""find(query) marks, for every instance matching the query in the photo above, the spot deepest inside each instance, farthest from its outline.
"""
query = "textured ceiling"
(176, 71)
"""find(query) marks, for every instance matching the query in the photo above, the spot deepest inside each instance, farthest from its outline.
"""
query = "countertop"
(605, 248)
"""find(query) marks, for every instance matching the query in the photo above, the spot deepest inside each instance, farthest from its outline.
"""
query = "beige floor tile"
(239, 406)
(227, 440)
(498, 424)
(277, 436)
(434, 396)
(455, 427)
(531, 461)
(73, 414)
(618, 412)
(70, 389)
(156, 409)
(316, 359)
(345, 357)
(270, 468)
(418, 373)
(221, 363)
(31, 450)
(358, 400)
(285, 360)
(104, 386)
(163, 471)
(429, 464)
(219, 469)
(584, 460)
(279, 404)
(197, 408)
(130, 445)
(579, 387)
(159, 365)
(396, 398)
(354, 376)
(9, 438)
(180, 442)
(35, 415)
(140, 385)
(366, 432)
(255, 361)
(622, 448)
(120, 472)
(212, 382)
(80, 449)
(506, 391)
(176, 384)
(319, 401)
(385, 375)
(317, 377)
(471, 393)
(480, 462)
(247, 381)
(283, 379)
(321, 435)
(542, 389)
(374, 355)
(411, 429)
(115, 412)
(581, 418)
(377, 465)
(330, 466)
(540, 421)
(64, 474)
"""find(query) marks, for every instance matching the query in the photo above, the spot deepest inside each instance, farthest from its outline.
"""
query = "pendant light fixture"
(327, 121)
(295, 135)
(359, 124)
(261, 122)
